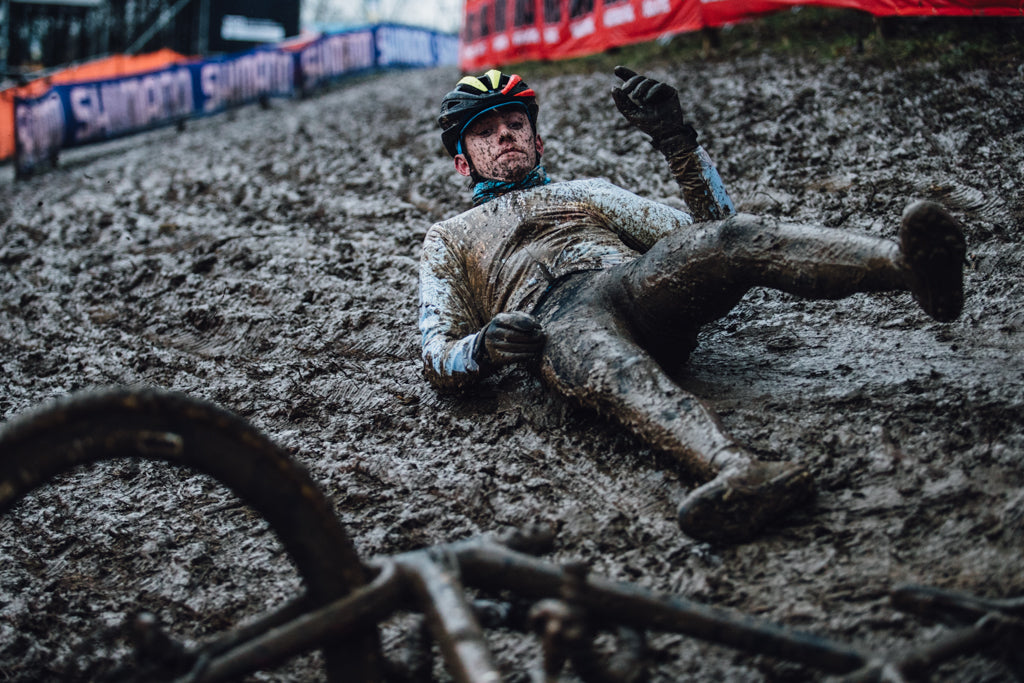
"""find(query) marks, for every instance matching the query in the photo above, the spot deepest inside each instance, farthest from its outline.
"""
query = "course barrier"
(110, 99)
(505, 31)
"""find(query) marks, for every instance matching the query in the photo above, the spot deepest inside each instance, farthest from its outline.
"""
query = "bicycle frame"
(435, 579)
(346, 599)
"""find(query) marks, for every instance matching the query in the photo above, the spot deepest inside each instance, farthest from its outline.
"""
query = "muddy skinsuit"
(619, 282)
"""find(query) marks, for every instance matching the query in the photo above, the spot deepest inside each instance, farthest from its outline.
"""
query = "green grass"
(826, 34)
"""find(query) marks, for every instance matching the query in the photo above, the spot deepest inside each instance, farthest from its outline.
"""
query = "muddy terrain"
(266, 261)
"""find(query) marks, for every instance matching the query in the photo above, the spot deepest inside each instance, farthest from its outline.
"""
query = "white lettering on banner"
(526, 36)
(336, 55)
(113, 108)
(499, 43)
(582, 28)
(552, 36)
(87, 111)
(404, 46)
(234, 81)
(616, 16)
(475, 50)
(39, 126)
(652, 8)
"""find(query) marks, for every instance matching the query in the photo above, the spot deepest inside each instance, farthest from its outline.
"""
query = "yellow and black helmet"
(474, 95)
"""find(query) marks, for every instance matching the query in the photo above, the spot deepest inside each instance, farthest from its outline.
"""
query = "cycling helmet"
(474, 95)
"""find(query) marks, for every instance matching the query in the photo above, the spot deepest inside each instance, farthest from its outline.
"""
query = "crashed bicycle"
(458, 589)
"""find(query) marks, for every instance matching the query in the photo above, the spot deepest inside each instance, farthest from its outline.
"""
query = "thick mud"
(266, 261)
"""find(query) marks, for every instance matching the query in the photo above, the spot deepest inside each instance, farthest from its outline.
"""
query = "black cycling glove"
(509, 338)
(653, 107)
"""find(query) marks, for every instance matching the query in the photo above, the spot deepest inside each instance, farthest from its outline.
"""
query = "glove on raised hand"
(509, 338)
(653, 107)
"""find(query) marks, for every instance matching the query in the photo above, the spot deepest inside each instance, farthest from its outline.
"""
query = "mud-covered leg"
(591, 356)
(697, 275)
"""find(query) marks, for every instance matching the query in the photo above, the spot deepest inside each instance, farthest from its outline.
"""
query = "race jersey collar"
(486, 190)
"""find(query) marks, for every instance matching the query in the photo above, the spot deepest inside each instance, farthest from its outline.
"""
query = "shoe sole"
(933, 248)
(729, 514)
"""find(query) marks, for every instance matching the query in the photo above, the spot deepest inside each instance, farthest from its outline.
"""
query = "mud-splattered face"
(500, 145)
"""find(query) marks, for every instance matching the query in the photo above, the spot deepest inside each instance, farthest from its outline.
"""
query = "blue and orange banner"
(91, 104)
(499, 32)
(108, 67)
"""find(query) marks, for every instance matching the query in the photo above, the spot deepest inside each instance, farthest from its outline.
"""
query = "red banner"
(503, 31)
(500, 31)
(925, 8)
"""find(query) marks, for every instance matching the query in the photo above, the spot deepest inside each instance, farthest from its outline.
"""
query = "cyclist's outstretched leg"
(697, 275)
(592, 356)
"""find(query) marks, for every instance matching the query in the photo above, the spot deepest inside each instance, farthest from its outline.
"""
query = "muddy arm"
(638, 221)
(449, 327)
(703, 189)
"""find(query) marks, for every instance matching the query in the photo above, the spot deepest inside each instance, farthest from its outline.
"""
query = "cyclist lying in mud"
(595, 285)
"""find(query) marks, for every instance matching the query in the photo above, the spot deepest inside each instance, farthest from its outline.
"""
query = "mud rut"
(266, 261)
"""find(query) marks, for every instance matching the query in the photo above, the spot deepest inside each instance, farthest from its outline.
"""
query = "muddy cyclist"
(599, 289)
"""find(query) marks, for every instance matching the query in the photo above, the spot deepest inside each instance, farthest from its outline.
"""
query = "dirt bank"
(266, 260)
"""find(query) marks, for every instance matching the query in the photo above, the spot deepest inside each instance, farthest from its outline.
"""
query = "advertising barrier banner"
(39, 126)
(497, 32)
(102, 110)
(333, 56)
(82, 112)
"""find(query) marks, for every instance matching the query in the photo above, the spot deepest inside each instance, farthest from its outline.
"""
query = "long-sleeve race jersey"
(503, 255)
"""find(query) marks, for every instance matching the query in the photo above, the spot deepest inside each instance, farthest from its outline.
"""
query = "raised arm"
(653, 107)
